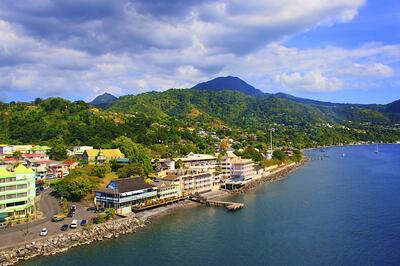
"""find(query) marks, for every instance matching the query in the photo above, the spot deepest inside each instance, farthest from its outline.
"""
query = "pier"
(230, 206)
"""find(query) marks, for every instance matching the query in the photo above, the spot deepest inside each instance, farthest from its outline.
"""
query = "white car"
(74, 224)
(44, 232)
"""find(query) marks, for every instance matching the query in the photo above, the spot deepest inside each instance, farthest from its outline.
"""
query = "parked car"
(70, 214)
(3, 225)
(83, 222)
(73, 208)
(74, 224)
(50, 176)
(58, 218)
(91, 209)
(64, 227)
(44, 232)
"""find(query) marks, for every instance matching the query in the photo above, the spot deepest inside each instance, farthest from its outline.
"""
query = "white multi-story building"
(242, 171)
(242, 168)
(190, 182)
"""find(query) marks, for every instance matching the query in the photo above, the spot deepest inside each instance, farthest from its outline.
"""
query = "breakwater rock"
(59, 243)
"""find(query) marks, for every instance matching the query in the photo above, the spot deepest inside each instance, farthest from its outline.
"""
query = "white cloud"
(147, 46)
(313, 81)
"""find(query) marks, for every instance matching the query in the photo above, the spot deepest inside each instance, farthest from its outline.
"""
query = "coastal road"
(48, 205)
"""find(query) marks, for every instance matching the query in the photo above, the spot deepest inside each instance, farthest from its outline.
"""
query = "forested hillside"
(168, 123)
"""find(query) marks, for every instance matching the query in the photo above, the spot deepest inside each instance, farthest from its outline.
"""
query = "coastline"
(113, 229)
(349, 145)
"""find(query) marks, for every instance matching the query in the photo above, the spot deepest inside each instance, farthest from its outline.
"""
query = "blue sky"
(331, 50)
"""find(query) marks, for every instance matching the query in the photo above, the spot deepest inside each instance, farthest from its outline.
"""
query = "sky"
(330, 50)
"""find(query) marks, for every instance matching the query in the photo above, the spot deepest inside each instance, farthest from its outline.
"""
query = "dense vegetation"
(159, 124)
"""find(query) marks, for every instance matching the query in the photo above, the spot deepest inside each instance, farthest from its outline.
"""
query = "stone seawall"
(59, 243)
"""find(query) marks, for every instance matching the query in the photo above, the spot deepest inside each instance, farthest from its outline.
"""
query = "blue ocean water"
(342, 210)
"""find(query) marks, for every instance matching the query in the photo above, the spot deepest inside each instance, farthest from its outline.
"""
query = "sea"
(341, 208)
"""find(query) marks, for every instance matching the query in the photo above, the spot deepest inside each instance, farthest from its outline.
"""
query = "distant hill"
(103, 101)
(229, 83)
(393, 107)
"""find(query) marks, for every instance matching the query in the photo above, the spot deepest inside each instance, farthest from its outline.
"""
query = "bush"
(278, 155)
(101, 218)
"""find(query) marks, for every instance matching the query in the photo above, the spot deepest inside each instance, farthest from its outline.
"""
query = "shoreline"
(349, 145)
(62, 242)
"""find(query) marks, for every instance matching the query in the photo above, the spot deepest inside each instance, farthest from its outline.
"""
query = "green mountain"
(168, 122)
(229, 83)
(393, 107)
(103, 101)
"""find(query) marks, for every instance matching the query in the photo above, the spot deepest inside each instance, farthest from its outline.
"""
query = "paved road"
(48, 205)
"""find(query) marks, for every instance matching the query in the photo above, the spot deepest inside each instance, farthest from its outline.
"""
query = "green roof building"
(17, 193)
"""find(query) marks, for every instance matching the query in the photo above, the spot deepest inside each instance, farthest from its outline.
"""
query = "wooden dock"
(230, 206)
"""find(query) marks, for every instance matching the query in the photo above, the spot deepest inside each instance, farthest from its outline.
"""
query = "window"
(10, 179)
(2, 206)
(23, 186)
(21, 195)
(11, 188)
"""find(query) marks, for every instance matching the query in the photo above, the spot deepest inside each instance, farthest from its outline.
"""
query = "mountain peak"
(104, 100)
(228, 83)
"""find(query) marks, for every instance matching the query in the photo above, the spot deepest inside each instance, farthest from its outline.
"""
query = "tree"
(135, 152)
(133, 169)
(101, 170)
(73, 188)
(297, 155)
(278, 155)
(58, 152)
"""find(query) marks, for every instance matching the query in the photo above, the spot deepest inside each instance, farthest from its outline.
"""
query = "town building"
(38, 149)
(192, 161)
(167, 191)
(199, 162)
(242, 171)
(6, 149)
(21, 148)
(34, 156)
(62, 169)
(40, 167)
(125, 192)
(100, 156)
(17, 193)
(77, 151)
(190, 181)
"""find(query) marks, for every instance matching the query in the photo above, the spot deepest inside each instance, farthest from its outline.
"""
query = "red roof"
(9, 159)
(68, 162)
(42, 161)
(32, 155)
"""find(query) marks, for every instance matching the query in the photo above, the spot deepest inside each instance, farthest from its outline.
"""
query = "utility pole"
(270, 142)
